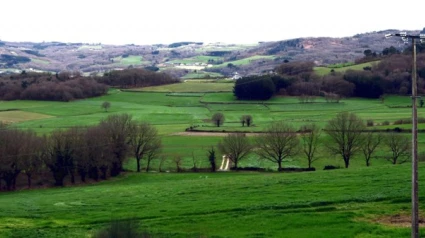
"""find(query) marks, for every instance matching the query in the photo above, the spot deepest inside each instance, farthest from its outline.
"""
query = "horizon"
(165, 22)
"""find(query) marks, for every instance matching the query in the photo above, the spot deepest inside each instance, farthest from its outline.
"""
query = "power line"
(415, 200)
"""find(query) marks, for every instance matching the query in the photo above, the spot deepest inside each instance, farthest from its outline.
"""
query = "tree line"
(96, 152)
(348, 138)
(136, 77)
(391, 75)
(67, 86)
(99, 152)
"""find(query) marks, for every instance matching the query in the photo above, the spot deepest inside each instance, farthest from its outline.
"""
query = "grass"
(130, 60)
(20, 116)
(190, 86)
(40, 61)
(245, 61)
(339, 203)
(202, 75)
(198, 59)
(327, 70)
(90, 47)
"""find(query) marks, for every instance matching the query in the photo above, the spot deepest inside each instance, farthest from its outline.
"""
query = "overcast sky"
(229, 21)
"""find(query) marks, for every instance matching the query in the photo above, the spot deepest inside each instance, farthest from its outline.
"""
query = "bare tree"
(33, 154)
(117, 129)
(10, 156)
(278, 143)
(399, 146)
(211, 159)
(246, 120)
(310, 140)
(151, 155)
(144, 140)
(99, 152)
(106, 106)
(236, 146)
(218, 119)
(59, 157)
(369, 145)
(162, 160)
(178, 160)
(345, 131)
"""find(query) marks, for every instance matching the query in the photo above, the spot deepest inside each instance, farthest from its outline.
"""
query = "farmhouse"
(236, 76)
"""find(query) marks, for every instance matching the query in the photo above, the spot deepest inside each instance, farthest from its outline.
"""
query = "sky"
(229, 21)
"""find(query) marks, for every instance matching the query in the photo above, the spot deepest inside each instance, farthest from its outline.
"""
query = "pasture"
(327, 70)
(245, 61)
(364, 202)
(360, 202)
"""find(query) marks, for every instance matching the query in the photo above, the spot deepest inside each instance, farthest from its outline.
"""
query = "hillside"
(190, 59)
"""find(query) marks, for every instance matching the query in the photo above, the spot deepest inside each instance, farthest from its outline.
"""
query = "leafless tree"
(59, 157)
(178, 160)
(162, 160)
(10, 156)
(345, 131)
(117, 129)
(106, 106)
(99, 152)
(33, 155)
(370, 141)
(278, 143)
(144, 140)
(399, 146)
(246, 120)
(218, 119)
(237, 146)
(310, 141)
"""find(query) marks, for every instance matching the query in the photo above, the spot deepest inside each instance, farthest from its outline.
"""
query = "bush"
(369, 122)
(292, 169)
(421, 157)
(249, 168)
(125, 229)
(385, 123)
(330, 167)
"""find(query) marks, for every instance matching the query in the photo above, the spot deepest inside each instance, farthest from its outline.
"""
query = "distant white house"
(236, 76)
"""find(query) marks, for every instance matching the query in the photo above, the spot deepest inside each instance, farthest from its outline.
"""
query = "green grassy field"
(130, 60)
(245, 60)
(355, 202)
(40, 61)
(327, 70)
(338, 203)
(201, 75)
(197, 59)
(190, 86)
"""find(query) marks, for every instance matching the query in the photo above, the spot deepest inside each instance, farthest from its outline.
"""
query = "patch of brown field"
(8, 117)
(400, 220)
(191, 133)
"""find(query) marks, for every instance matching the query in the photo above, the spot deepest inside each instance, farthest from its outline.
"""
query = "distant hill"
(183, 59)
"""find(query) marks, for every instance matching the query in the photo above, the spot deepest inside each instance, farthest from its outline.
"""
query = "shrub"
(385, 123)
(330, 167)
(128, 229)
(369, 122)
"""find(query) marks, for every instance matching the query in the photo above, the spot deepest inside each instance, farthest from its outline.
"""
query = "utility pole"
(415, 201)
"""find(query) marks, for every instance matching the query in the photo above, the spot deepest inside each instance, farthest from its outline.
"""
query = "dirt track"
(191, 133)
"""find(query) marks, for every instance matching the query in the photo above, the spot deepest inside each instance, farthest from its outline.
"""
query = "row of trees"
(136, 77)
(95, 152)
(49, 87)
(391, 75)
(218, 119)
(346, 131)
(68, 86)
